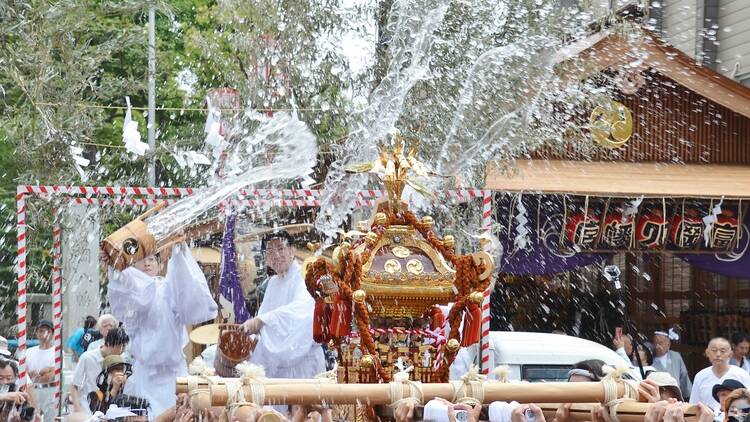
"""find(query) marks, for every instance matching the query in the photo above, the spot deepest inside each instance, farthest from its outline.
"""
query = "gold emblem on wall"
(415, 267)
(401, 251)
(392, 266)
(611, 125)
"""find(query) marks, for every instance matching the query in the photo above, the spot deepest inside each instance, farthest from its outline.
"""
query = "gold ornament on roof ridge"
(394, 166)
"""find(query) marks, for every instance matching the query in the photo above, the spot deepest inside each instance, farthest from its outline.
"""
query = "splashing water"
(411, 26)
(280, 148)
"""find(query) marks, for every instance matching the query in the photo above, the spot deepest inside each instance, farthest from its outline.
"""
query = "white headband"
(671, 334)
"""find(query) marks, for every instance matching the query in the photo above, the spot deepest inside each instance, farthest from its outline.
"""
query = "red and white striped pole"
(21, 272)
(486, 361)
(57, 308)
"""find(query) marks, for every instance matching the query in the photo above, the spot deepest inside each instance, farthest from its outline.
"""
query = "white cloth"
(662, 361)
(435, 411)
(501, 411)
(209, 355)
(155, 311)
(286, 348)
(38, 359)
(706, 379)
(96, 344)
(84, 377)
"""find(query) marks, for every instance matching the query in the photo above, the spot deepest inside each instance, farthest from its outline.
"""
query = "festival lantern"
(651, 230)
(617, 231)
(582, 230)
(686, 230)
(724, 230)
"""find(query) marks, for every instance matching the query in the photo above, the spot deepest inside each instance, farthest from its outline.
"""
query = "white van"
(536, 357)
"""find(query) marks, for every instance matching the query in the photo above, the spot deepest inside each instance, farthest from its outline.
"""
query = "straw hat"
(665, 380)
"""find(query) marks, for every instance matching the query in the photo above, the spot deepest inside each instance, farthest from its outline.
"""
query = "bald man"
(718, 353)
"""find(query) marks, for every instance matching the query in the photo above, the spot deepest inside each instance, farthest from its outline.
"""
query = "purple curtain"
(544, 214)
(229, 283)
(725, 264)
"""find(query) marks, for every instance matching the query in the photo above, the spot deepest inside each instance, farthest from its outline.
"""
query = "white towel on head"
(500, 411)
(435, 411)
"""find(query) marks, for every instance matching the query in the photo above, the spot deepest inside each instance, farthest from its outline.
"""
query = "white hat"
(4, 347)
(666, 380)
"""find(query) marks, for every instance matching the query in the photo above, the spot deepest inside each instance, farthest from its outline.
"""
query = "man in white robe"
(284, 324)
(155, 311)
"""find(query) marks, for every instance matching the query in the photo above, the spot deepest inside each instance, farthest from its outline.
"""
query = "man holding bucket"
(286, 348)
(155, 311)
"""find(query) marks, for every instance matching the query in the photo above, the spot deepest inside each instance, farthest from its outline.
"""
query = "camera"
(25, 412)
(462, 415)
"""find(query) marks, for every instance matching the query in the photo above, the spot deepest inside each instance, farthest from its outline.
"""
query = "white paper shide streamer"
(130, 135)
(521, 240)
(214, 137)
(709, 222)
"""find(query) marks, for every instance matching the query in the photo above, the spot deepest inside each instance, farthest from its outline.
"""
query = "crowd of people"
(127, 362)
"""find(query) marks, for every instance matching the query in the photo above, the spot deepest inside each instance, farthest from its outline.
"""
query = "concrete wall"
(734, 38)
(679, 24)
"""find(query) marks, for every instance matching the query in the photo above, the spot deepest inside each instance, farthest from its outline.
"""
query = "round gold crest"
(415, 266)
(401, 251)
(392, 266)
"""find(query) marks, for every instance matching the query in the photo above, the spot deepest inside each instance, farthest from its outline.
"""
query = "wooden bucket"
(133, 242)
(234, 347)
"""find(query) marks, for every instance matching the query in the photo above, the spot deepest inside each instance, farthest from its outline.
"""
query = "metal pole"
(152, 95)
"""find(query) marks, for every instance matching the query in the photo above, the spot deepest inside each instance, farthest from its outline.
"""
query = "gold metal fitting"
(371, 238)
(367, 361)
(453, 345)
(380, 218)
(427, 220)
(449, 240)
(476, 297)
(359, 296)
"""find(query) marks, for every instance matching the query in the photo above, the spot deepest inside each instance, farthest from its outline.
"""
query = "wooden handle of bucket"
(156, 208)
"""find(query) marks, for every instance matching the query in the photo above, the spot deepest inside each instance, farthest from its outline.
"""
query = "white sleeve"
(79, 374)
(287, 330)
(621, 351)
(188, 289)
(131, 294)
(694, 394)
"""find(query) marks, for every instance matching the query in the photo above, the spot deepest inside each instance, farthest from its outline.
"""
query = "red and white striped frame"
(148, 196)
(21, 272)
(57, 307)
(486, 361)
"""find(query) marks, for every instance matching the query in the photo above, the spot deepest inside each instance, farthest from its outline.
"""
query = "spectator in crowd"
(587, 371)
(736, 405)
(93, 340)
(75, 341)
(668, 360)
(720, 393)
(4, 351)
(718, 353)
(624, 347)
(660, 386)
(40, 363)
(110, 382)
(740, 347)
(90, 366)
(13, 396)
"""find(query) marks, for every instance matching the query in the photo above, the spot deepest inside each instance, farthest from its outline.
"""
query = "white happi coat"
(286, 348)
(155, 311)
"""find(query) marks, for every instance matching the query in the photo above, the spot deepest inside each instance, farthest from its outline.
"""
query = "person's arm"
(75, 397)
(188, 288)
(31, 392)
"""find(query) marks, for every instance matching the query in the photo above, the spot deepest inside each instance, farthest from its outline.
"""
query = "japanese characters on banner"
(657, 225)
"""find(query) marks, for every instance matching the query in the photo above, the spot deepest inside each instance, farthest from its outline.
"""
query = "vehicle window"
(545, 373)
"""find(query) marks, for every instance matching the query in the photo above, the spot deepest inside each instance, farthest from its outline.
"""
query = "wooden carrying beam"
(182, 386)
(627, 411)
(374, 394)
